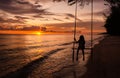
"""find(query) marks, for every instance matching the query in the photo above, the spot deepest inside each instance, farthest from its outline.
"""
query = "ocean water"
(17, 51)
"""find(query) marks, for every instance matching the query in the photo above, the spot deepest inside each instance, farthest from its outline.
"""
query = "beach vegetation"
(112, 23)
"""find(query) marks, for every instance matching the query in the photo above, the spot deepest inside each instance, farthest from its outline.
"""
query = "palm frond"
(71, 2)
(81, 2)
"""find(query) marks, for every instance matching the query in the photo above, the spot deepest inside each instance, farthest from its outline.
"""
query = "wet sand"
(60, 65)
(57, 65)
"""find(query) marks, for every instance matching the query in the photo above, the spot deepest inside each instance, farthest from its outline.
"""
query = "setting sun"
(38, 33)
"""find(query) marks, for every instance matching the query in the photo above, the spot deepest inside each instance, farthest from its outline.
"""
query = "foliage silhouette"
(112, 24)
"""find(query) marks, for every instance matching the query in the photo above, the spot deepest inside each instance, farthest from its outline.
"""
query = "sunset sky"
(55, 16)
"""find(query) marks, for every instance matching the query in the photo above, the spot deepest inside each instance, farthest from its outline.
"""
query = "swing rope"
(74, 30)
(92, 28)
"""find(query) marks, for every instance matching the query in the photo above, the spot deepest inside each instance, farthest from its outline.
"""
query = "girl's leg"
(83, 54)
(77, 54)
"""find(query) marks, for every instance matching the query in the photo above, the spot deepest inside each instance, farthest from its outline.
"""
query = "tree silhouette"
(112, 24)
(113, 2)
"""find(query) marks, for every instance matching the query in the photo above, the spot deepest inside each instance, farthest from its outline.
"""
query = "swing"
(75, 25)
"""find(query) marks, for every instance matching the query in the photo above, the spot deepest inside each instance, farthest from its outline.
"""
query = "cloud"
(5, 1)
(21, 17)
(98, 13)
(20, 7)
(2, 20)
(45, 1)
(99, 0)
(68, 16)
(87, 24)
(57, 19)
(31, 28)
(58, 0)
(37, 16)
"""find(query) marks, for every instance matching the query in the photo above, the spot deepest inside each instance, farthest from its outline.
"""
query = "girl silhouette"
(81, 45)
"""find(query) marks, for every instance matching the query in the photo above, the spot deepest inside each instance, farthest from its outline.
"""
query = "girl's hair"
(82, 37)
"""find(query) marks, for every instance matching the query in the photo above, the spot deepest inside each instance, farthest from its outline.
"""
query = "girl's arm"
(76, 40)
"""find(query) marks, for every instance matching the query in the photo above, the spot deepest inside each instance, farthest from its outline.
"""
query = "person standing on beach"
(81, 45)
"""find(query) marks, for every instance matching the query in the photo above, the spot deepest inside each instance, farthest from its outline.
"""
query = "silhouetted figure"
(81, 45)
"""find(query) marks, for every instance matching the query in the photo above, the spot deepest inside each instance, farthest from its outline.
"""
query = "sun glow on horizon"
(20, 32)
(38, 33)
